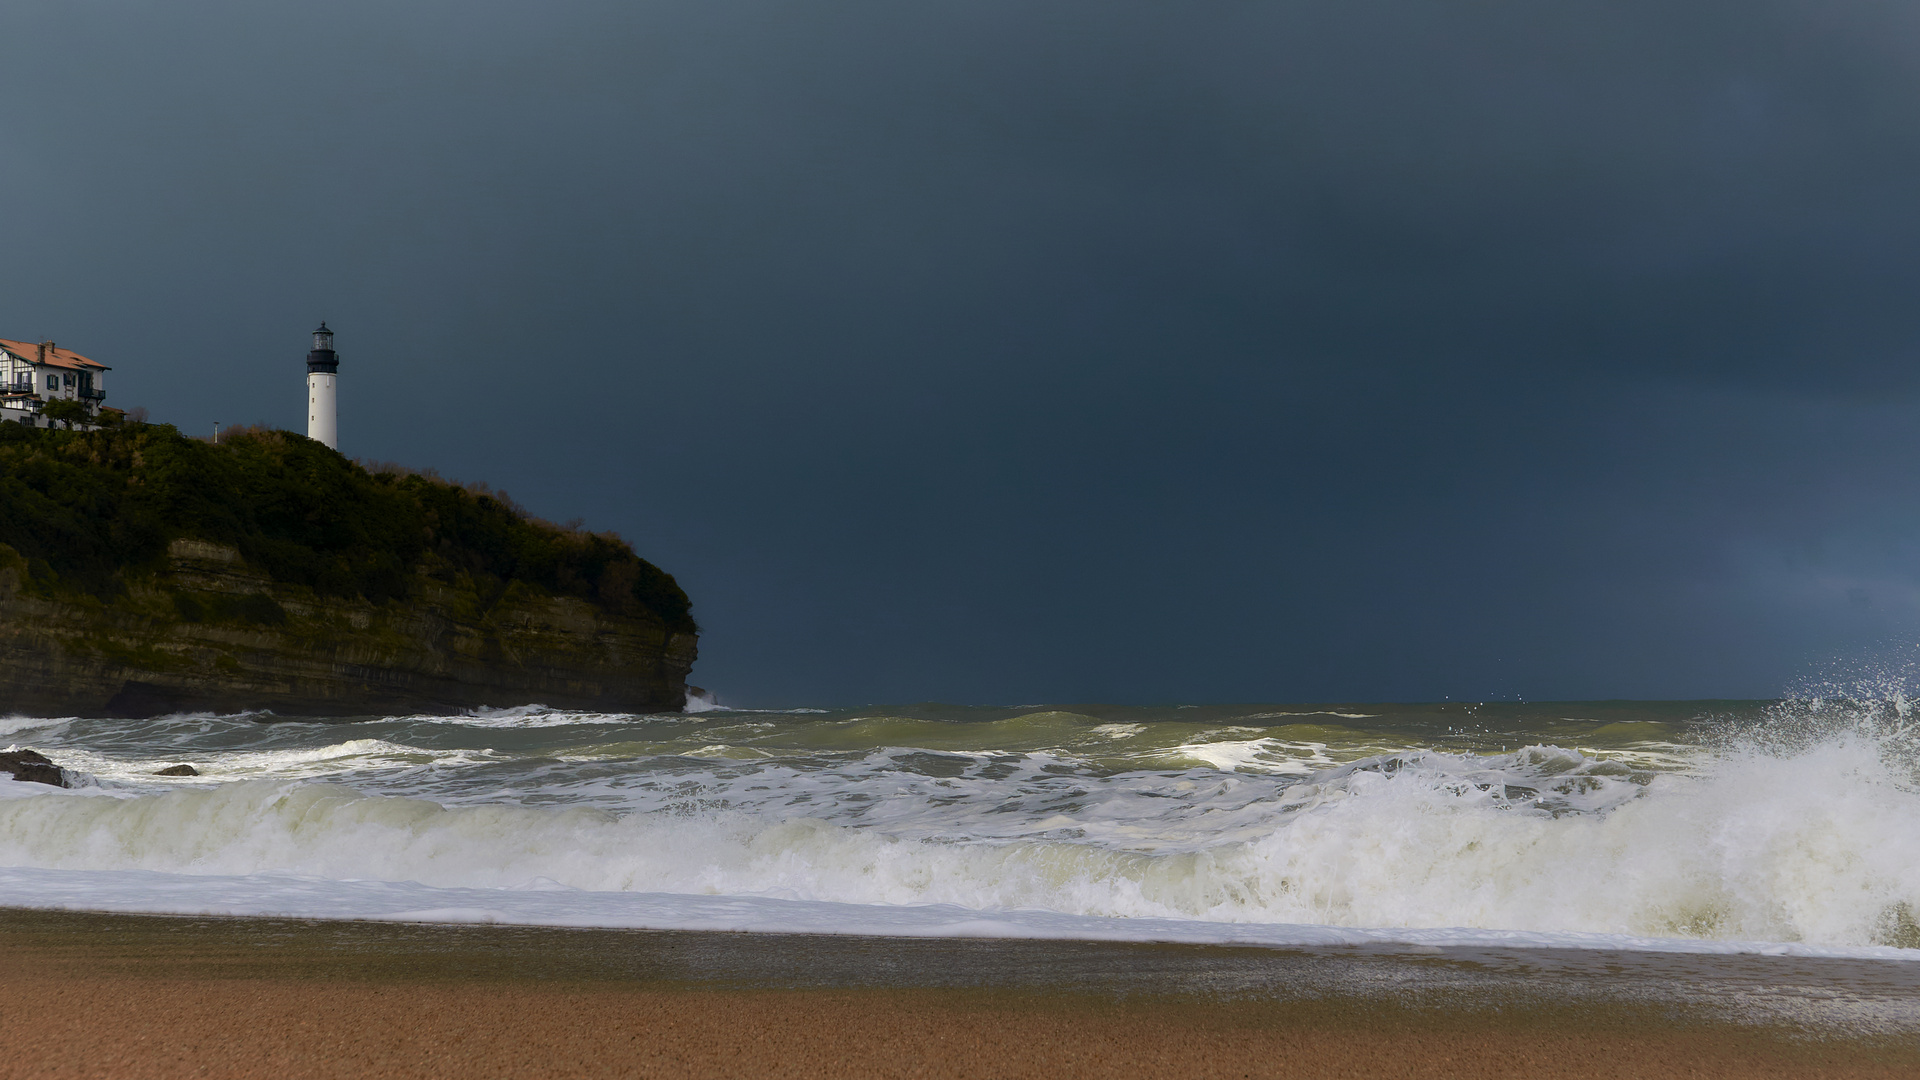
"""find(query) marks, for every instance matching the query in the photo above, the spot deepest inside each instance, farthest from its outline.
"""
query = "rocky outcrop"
(209, 632)
(32, 767)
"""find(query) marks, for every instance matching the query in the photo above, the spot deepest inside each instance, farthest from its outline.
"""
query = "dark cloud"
(1057, 349)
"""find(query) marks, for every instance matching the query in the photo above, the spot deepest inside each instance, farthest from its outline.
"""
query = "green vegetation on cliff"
(90, 509)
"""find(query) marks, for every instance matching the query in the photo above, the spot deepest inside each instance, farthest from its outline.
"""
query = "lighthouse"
(323, 367)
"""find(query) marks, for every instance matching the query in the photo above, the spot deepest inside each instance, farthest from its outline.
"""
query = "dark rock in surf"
(32, 767)
(178, 770)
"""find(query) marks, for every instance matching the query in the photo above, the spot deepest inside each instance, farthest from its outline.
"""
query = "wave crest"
(1809, 839)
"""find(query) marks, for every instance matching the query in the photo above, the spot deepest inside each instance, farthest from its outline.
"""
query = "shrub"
(67, 411)
(258, 608)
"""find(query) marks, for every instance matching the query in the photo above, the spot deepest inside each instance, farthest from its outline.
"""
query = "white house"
(32, 374)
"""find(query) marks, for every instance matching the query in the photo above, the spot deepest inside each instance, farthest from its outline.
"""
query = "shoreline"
(86, 994)
(143, 892)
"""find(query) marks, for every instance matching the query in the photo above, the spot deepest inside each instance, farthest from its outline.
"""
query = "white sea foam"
(16, 724)
(1248, 755)
(525, 716)
(1312, 712)
(351, 757)
(541, 903)
(1817, 843)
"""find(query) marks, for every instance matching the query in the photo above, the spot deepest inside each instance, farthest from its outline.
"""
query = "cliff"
(142, 572)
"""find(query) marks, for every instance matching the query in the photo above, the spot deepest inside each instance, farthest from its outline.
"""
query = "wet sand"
(146, 996)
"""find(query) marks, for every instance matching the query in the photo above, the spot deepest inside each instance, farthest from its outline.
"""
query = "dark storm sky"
(1023, 350)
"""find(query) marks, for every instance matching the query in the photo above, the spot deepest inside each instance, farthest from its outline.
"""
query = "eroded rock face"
(32, 767)
(211, 633)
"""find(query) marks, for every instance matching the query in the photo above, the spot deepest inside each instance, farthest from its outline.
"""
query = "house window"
(69, 380)
(53, 382)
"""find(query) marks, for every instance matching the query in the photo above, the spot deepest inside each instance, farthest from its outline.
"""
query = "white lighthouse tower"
(323, 367)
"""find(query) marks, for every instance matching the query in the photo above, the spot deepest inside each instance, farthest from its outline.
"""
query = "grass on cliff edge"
(89, 509)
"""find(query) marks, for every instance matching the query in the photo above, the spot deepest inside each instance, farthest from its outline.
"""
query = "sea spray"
(1795, 822)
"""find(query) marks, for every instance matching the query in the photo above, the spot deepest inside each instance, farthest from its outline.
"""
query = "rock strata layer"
(209, 632)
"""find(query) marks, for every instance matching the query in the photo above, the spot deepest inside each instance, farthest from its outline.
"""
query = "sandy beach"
(142, 996)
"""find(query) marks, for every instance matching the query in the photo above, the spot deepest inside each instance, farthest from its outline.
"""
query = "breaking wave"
(1802, 826)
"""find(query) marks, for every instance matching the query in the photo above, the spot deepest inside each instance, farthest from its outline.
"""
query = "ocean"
(1789, 827)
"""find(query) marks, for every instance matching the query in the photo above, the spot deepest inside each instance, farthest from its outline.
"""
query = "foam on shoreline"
(548, 904)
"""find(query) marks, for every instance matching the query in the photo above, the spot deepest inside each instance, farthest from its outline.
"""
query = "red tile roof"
(51, 355)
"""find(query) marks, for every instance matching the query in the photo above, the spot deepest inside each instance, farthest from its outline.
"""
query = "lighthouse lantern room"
(323, 367)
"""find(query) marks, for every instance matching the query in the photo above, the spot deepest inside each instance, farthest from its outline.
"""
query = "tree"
(68, 411)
